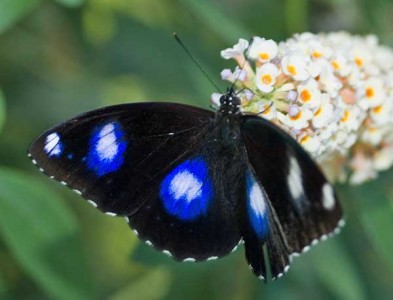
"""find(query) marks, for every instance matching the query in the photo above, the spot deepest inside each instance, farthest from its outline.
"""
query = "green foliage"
(71, 3)
(41, 232)
(2, 110)
(11, 11)
(376, 213)
(336, 270)
(217, 20)
(154, 285)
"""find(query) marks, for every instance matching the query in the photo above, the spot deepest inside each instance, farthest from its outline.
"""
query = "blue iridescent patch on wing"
(106, 149)
(187, 190)
(257, 206)
(53, 145)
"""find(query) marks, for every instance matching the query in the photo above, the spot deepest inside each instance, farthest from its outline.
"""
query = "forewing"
(111, 155)
(303, 207)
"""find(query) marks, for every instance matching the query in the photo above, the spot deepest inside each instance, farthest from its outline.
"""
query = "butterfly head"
(230, 103)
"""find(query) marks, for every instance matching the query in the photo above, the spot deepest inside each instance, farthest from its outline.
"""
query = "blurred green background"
(60, 58)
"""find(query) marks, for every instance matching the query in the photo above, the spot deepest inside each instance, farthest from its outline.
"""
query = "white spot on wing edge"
(166, 252)
(92, 203)
(212, 258)
(189, 259)
(77, 191)
(112, 214)
(324, 237)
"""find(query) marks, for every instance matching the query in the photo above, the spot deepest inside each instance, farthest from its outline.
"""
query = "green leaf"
(2, 109)
(11, 11)
(217, 20)
(153, 286)
(336, 270)
(71, 3)
(377, 215)
(41, 233)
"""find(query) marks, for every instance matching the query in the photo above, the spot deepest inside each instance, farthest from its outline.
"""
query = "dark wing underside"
(302, 206)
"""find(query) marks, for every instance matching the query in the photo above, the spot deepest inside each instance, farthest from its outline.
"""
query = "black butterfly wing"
(119, 159)
(301, 206)
(109, 155)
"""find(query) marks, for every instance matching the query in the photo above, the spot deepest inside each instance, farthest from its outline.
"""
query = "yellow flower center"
(296, 117)
(370, 93)
(305, 95)
(336, 65)
(264, 55)
(318, 112)
(304, 139)
(345, 117)
(292, 69)
(378, 109)
(266, 110)
(316, 54)
(266, 79)
(359, 61)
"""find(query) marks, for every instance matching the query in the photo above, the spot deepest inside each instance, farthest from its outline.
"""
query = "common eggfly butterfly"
(193, 183)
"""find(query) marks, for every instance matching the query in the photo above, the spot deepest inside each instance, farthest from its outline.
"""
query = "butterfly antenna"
(177, 38)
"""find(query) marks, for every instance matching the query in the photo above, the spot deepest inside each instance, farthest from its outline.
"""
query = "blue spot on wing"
(106, 149)
(257, 206)
(187, 190)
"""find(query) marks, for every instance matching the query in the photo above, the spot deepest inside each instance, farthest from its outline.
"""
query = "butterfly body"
(193, 183)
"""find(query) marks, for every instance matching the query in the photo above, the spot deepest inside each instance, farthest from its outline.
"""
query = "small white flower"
(383, 159)
(311, 143)
(262, 49)
(340, 65)
(324, 113)
(351, 118)
(215, 99)
(268, 111)
(309, 94)
(295, 66)
(237, 50)
(329, 82)
(372, 93)
(297, 118)
(373, 135)
(266, 77)
(360, 56)
(382, 114)
(292, 96)
(318, 51)
(238, 75)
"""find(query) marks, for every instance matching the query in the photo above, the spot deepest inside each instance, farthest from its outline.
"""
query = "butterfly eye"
(236, 101)
(223, 99)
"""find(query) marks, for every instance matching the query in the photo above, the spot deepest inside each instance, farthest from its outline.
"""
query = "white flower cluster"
(332, 92)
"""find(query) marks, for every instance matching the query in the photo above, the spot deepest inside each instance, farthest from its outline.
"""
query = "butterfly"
(194, 183)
